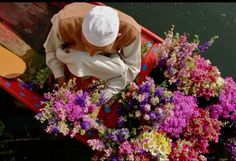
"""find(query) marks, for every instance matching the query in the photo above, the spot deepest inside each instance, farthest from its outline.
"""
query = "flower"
(68, 111)
(201, 129)
(160, 118)
(125, 148)
(96, 144)
(226, 106)
(183, 150)
(155, 143)
(230, 146)
(147, 104)
(183, 67)
(183, 109)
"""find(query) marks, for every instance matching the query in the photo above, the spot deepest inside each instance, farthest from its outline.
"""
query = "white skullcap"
(101, 25)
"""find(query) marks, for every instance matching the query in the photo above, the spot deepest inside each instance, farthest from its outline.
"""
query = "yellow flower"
(63, 128)
(155, 143)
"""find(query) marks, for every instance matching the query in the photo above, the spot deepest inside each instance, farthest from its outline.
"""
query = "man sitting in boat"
(94, 41)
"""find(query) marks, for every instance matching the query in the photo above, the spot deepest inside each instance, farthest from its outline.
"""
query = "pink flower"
(96, 144)
(125, 148)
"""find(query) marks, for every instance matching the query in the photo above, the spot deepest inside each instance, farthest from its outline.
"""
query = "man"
(94, 41)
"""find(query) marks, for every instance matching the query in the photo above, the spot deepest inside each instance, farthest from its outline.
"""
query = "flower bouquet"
(69, 112)
(179, 112)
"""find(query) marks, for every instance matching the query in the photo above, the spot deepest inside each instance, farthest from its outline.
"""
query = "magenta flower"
(226, 106)
(183, 109)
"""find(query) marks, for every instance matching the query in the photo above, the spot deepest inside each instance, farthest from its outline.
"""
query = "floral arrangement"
(162, 118)
(226, 105)
(70, 112)
(186, 69)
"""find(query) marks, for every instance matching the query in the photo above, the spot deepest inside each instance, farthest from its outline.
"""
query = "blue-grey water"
(204, 19)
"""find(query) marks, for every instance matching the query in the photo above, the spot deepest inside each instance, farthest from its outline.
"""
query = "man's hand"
(61, 81)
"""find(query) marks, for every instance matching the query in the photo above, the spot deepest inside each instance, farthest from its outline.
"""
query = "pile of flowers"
(161, 118)
(121, 144)
(186, 69)
(70, 112)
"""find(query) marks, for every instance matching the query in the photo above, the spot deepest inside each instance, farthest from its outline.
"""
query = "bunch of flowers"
(70, 112)
(156, 121)
(144, 104)
(183, 109)
(226, 106)
(186, 69)
(199, 131)
(184, 150)
(118, 144)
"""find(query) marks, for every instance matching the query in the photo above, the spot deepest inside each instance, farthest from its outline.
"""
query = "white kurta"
(117, 69)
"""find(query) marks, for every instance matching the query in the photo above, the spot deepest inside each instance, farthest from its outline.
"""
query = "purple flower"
(183, 109)
(120, 121)
(152, 115)
(204, 46)
(115, 158)
(159, 92)
(84, 125)
(102, 99)
(230, 146)
(226, 106)
(131, 103)
(28, 85)
(162, 62)
(81, 98)
(145, 87)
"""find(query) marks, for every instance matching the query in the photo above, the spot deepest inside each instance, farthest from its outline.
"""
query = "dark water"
(204, 19)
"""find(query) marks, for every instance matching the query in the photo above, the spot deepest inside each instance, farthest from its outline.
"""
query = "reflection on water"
(204, 19)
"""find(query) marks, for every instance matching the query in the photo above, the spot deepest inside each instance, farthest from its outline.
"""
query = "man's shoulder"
(75, 9)
(129, 21)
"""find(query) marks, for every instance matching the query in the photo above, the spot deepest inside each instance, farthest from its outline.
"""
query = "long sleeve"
(51, 44)
(117, 70)
(132, 58)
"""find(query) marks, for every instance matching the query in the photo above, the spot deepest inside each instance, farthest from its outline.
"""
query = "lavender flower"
(230, 146)
(207, 44)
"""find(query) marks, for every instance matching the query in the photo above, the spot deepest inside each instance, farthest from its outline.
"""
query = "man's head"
(100, 26)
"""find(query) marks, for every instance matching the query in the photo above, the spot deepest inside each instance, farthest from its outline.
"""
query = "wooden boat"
(24, 28)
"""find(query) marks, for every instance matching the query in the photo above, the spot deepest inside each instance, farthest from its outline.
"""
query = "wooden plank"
(60, 5)
(10, 40)
(42, 5)
(30, 21)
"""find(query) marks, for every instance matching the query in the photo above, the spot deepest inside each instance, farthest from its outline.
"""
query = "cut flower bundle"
(162, 118)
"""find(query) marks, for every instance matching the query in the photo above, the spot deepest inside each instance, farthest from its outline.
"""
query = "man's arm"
(51, 44)
(132, 58)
